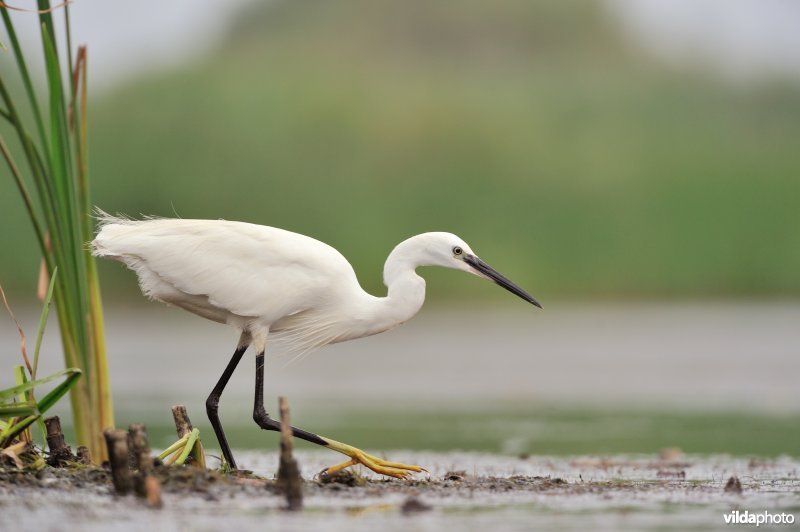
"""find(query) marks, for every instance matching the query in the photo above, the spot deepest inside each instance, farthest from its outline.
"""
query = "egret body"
(265, 281)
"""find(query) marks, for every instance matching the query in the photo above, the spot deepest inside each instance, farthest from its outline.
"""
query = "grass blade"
(174, 447)
(43, 321)
(23, 190)
(44, 187)
(21, 378)
(19, 329)
(190, 441)
(46, 402)
(43, 405)
(18, 409)
(26, 78)
(72, 374)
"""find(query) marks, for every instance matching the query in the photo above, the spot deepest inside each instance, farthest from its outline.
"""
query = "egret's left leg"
(357, 456)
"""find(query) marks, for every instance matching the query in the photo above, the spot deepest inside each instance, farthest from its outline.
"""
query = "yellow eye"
(457, 251)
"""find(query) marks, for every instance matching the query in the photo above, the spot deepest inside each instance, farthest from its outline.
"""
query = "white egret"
(265, 281)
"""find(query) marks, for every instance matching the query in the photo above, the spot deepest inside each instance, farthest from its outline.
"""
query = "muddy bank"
(471, 491)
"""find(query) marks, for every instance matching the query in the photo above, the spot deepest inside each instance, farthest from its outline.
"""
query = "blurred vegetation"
(512, 429)
(537, 131)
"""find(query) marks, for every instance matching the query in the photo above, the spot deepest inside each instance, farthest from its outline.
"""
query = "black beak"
(483, 268)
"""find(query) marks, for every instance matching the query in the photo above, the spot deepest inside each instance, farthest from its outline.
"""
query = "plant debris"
(733, 485)
(413, 506)
(345, 477)
(289, 480)
(455, 476)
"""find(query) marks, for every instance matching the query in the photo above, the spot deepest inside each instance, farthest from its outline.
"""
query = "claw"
(338, 467)
(382, 467)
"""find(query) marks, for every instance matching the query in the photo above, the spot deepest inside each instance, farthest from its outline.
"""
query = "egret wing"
(246, 269)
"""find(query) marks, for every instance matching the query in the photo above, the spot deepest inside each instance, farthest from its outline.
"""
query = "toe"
(392, 469)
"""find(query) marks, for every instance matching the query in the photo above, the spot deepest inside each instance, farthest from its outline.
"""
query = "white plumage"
(267, 281)
(261, 279)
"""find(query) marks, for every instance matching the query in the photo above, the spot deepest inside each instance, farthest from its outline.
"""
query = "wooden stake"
(117, 444)
(60, 452)
(140, 448)
(289, 479)
(153, 489)
(142, 461)
(182, 423)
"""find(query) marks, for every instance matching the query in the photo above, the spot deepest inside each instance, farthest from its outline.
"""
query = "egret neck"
(406, 290)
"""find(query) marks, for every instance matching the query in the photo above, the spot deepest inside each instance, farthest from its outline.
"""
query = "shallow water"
(614, 493)
(696, 355)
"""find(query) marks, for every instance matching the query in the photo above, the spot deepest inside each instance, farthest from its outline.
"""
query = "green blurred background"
(540, 132)
(549, 136)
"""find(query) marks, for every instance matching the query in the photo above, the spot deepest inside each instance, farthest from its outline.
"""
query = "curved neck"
(404, 299)
(406, 295)
(406, 288)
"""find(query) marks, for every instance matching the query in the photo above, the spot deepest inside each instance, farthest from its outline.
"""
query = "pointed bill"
(484, 270)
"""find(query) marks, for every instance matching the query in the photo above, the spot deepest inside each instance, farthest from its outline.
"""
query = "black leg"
(212, 405)
(357, 456)
(261, 417)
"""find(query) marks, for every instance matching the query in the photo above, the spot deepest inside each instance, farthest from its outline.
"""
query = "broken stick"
(289, 479)
(183, 424)
(60, 452)
(117, 443)
(142, 461)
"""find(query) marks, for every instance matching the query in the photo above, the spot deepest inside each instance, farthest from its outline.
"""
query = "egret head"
(449, 251)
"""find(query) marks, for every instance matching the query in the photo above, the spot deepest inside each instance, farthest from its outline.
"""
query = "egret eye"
(457, 251)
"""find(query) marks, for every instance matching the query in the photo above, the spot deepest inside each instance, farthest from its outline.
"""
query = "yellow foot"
(357, 456)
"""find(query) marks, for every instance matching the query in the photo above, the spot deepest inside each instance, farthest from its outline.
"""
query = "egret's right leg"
(260, 415)
(357, 456)
(212, 403)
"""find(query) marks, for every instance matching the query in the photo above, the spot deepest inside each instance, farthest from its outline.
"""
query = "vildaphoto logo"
(746, 517)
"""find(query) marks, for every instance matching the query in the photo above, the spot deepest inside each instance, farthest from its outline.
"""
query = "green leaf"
(43, 321)
(174, 447)
(25, 397)
(25, 408)
(21, 378)
(46, 402)
(189, 446)
(72, 374)
(26, 78)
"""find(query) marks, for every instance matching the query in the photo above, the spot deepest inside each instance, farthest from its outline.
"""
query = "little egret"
(266, 281)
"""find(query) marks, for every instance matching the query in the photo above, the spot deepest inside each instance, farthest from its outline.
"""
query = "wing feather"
(248, 270)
